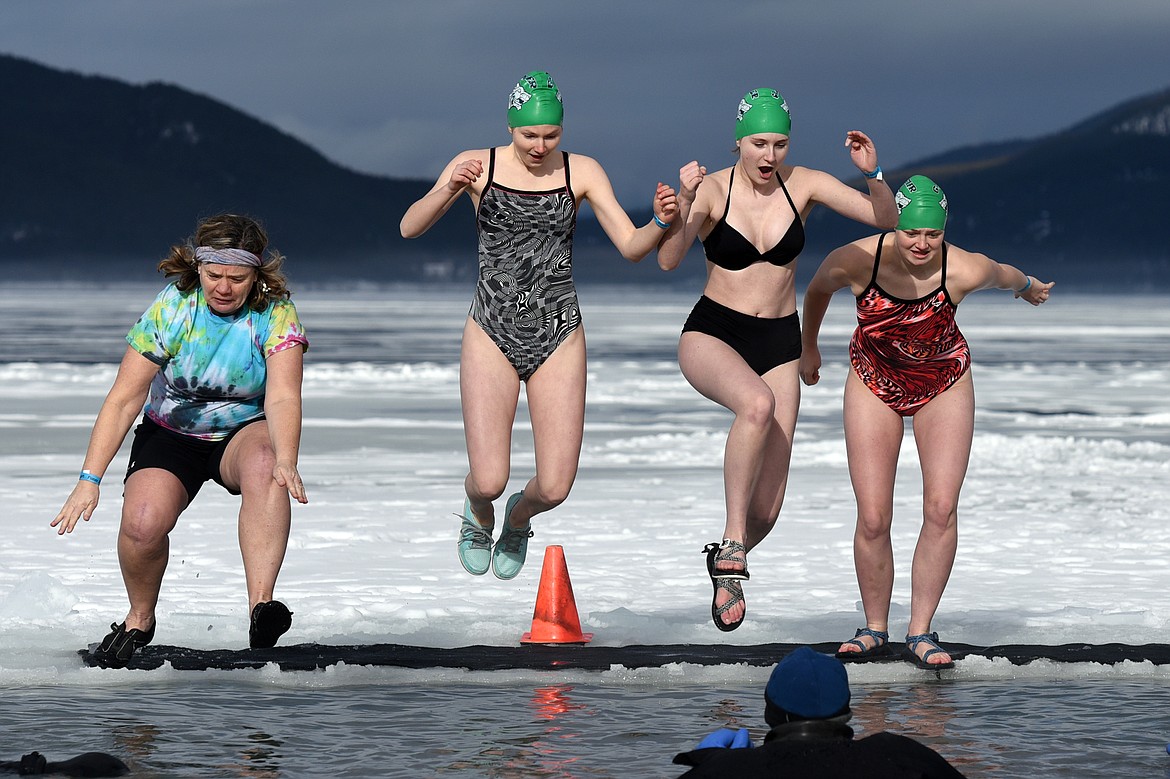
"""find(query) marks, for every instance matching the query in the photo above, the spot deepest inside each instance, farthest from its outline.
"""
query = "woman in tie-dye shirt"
(217, 360)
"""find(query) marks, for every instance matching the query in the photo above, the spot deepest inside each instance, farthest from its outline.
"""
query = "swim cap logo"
(519, 97)
(754, 95)
(744, 107)
(921, 205)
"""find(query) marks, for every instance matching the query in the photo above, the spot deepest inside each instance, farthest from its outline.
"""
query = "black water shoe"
(118, 647)
(270, 620)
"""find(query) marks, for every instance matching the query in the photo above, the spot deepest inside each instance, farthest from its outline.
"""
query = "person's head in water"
(807, 685)
(535, 115)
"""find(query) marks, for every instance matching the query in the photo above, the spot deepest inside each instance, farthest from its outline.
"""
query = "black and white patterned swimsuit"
(525, 299)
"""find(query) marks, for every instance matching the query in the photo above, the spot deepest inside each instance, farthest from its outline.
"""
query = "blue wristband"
(1024, 288)
(876, 173)
(87, 476)
(660, 223)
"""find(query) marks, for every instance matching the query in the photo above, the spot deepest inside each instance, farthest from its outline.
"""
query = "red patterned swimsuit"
(907, 351)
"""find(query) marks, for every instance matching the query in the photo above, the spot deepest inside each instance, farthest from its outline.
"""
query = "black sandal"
(880, 648)
(910, 652)
(728, 580)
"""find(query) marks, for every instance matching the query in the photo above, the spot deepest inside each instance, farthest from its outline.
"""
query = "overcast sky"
(398, 87)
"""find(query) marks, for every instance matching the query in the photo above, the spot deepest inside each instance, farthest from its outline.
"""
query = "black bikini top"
(726, 247)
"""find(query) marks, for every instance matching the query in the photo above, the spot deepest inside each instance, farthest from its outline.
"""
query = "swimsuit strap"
(943, 282)
(790, 203)
(731, 181)
(491, 172)
(877, 258)
(487, 184)
(727, 205)
(491, 168)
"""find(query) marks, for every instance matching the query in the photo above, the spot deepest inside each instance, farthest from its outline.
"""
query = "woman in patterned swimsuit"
(524, 325)
(909, 360)
(740, 345)
(217, 359)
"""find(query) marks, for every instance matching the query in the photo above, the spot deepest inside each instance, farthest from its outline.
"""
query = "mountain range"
(96, 169)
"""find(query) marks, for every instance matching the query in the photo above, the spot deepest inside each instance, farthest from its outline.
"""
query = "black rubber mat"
(307, 657)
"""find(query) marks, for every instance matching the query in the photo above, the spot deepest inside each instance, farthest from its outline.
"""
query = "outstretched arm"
(590, 183)
(122, 406)
(460, 173)
(986, 273)
(1034, 291)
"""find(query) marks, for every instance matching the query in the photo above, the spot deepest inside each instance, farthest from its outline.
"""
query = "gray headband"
(227, 256)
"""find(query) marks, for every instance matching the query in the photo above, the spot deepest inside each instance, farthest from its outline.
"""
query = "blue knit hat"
(806, 685)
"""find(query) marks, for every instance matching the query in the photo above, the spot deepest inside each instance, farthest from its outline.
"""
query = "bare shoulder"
(856, 256)
(471, 154)
(713, 189)
(853, 262)
(809, 181)
(968, 271)
(583, 164)
(961, 261)
(720, 178)
(959, 254)
(587, 174)
(850, 265)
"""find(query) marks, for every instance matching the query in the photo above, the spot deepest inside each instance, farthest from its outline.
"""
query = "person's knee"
(758, 411)
(255, 472)
(940, 513)
(552, 492)
(873, 524)
(486, 487)
(144, 524)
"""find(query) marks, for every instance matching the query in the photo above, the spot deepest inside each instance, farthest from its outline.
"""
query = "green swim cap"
(535, 100)
(921, 205)
(762, 111)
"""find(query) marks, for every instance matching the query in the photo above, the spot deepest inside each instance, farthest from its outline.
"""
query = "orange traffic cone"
(555, 620)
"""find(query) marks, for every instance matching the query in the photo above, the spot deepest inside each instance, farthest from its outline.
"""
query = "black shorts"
(762, 343)
(192, 460)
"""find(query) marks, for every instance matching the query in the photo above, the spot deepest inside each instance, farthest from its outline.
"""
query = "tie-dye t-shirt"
(212, 372)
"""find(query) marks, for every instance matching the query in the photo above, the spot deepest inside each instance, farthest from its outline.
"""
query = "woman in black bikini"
(741, 344)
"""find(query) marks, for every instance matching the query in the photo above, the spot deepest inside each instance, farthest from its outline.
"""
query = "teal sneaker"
(475, 543)
(512, 548)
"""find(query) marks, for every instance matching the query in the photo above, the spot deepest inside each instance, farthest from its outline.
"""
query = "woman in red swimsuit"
(909, 360)
(741, 343)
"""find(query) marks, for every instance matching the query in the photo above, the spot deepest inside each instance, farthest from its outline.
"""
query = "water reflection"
(259, 760)
(199, 726)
